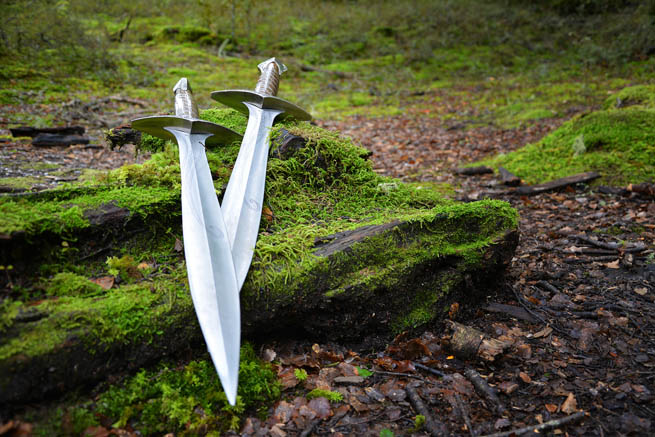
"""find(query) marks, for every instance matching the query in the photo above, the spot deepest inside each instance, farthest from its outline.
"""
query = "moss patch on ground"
(186, 399)
(617, 143)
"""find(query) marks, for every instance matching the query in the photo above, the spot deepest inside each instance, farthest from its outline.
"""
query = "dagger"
(207, 250)
(244, 195)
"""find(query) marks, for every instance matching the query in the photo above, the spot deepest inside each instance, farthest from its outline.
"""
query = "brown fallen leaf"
(525, 377)
(543, 333)
(570, 405)
(612, 265)
(106, 282)
(551, 408)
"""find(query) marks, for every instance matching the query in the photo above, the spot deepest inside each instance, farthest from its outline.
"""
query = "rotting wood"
(508, 178)
(122, 135)
(530, 190)
(30, 131)
(485, 390)
(474, 171)
(538, 429)
(433, 426)
(644, 189)
(49, 140)
(468, 343)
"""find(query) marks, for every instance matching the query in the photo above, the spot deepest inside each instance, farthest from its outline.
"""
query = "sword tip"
(182, 84)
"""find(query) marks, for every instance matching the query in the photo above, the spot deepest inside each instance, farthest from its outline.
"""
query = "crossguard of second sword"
(264, 95)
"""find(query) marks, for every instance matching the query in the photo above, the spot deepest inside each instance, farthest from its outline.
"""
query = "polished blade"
(244, 195)
(210, 269)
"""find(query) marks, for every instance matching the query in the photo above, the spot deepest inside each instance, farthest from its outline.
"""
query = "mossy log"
(343, 254)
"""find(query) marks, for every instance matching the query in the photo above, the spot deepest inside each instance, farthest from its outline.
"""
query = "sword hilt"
(185, 105)
(269, 79)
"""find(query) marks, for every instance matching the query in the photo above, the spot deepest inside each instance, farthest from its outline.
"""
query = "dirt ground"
(572, 327)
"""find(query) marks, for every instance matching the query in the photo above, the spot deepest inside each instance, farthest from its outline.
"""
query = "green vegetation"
(300, 374)
(186, 399)
(617, 143)
(519, 61)
(332, 396)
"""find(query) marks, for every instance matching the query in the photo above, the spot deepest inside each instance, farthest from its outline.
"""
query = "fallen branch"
(537, 429)
(464, 414)
(429, 369)
(508, 178)
(485, 390)
(434, 427)
(510, 310)
(530, 190)
(473, 171)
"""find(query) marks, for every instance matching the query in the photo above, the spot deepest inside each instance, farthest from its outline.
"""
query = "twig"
(434, 427)
(542, 427)
(406, 375)
(428, 369)
(608, 246)
(465, 416)
(485, 390)
(548, 286)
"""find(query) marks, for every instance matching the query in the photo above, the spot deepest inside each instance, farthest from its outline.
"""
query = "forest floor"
(575, 315)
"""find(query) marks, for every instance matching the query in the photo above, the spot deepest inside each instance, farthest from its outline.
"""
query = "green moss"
(226, 117)
(619, 144)
(19, 182)
(187, 399)
(640, 95)
(332, 396)
(70, 284)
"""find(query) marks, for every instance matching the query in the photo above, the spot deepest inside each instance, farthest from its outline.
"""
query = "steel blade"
(210, 270)
(244, 195)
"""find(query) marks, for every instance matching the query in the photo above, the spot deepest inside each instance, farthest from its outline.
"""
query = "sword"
(212, 278)
(244, 195)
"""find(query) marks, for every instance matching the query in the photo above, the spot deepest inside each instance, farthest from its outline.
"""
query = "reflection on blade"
(212, 280)
(244, 195)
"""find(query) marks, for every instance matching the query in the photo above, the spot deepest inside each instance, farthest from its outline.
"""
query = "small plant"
(332, 396)
(364, 372)
(125, 267)
(386, 433)
(419, 422)
(301, 374)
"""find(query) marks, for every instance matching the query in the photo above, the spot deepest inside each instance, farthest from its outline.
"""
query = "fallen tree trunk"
(29, 131)
(530, 190)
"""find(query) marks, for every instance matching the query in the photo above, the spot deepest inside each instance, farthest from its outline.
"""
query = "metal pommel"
(185, 105)
(269, 80)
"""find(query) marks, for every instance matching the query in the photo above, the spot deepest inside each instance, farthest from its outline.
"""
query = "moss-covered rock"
(343, 254)
(618, 142)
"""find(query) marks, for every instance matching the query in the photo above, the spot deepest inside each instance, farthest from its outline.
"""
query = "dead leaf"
(641, 291)
(106, 282)
(543, 333)
(612, 265)
(551, 408)
(267, 214)
(454, 309)
(179, 246)
(508, 387)
(570, 405)
(525, 377)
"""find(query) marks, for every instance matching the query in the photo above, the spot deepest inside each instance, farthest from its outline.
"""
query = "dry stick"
(428, 369)
(521, 300)
(406, 375)
(465, 416)
(542, 427)
(434, 427)
(548, 286)
(485, 390)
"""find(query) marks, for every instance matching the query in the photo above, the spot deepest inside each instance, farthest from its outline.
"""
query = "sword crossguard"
(185, 119)
(269, 79)
(264, 95)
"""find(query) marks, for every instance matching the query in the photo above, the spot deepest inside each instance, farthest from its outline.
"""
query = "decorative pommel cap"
(269, 79)
(185, 105)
